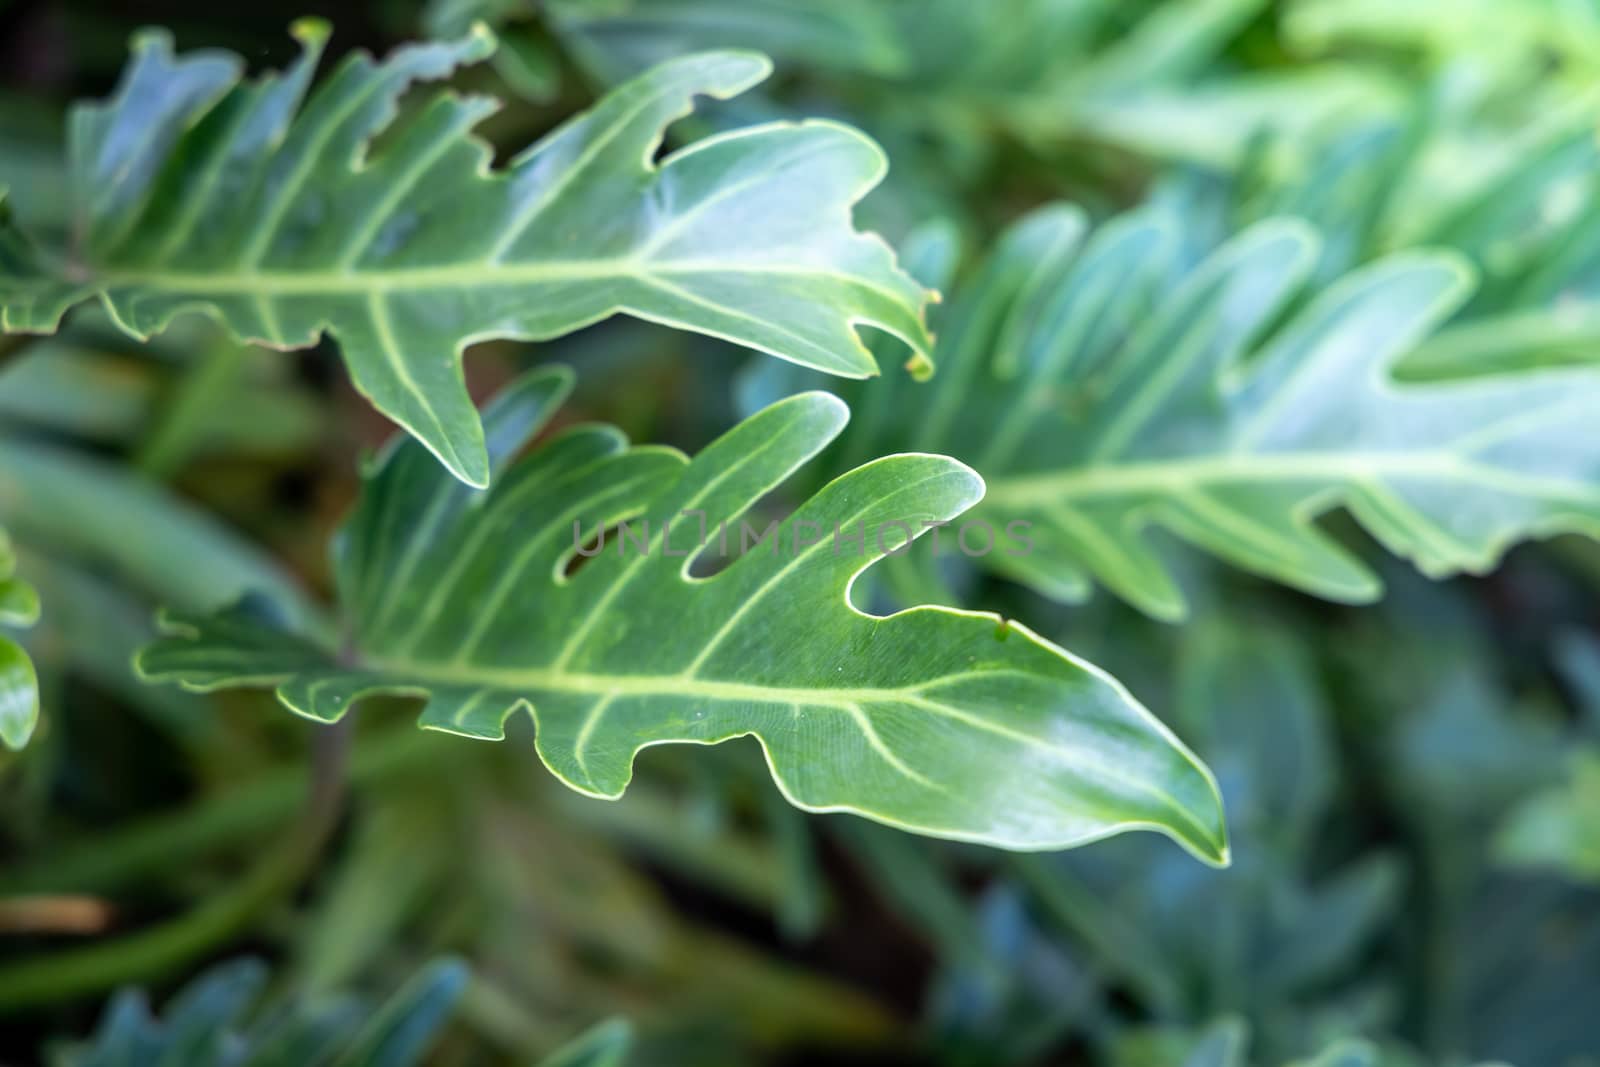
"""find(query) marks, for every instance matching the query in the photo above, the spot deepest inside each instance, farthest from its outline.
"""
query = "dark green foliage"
(1279, 320)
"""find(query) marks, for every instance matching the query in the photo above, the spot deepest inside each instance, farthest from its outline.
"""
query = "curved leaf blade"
(19, 695)
(1102, 389)
(19, 682)
(949, 723)
(265, 204)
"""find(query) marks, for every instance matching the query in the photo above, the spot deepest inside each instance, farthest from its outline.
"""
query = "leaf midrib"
(608, 687)
(446, 276)
(1184, 473)
(565, 681)
(551, 679)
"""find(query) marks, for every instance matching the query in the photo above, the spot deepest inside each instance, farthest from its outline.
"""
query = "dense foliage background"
(1412, 786)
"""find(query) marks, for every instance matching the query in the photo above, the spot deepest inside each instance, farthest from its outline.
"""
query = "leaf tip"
(832, 412)
(756, 66)
(920, 367)
(726, 72)
(311, 31)
(481, 40)
(150, 39)
(471, 467)
(1168, 606)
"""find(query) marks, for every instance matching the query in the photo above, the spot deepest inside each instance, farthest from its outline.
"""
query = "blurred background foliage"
(1413, 787)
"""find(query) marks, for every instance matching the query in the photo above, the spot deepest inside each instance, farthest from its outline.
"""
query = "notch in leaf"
(266, 205)
(923, 720)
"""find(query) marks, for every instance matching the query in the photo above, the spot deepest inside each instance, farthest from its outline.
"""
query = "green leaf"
(1047, 72)
(72, 386)
(58, 502)
(619, 39)
(206, 1024)
(1558, 829)
(1348, 1052)
(1222, 1045)
(949, 723)
(604, 1045)
(19, 683)
(1283, 924)
(399, 1032)
(196, 190)
(1569, 33)
(1101, 390)
(19, 695)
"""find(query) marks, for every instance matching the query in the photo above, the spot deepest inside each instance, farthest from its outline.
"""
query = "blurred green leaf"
(1102, 391)
(60, 500)
(240, 408)
(1558, 829)
(1408, 785)
(1276, 937)
(606, 1045)
(205, 1025)
(1143, 77)
(19, 683)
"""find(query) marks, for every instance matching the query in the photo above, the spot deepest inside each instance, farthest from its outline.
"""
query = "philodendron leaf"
(950, 723)
(197, 190)
(1101, 389)
(19, 684)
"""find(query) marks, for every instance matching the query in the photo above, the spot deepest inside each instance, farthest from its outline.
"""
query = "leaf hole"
(589, 544)
(755, 529)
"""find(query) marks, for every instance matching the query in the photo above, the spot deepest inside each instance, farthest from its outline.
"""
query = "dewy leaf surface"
(1101, 388)
(944, 722)
(269, 207)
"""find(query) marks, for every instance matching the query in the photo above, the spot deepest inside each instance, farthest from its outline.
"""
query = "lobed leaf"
(949, 723)
(267, 205)
(1101, 390)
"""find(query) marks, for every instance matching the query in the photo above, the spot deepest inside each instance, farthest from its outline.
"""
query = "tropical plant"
(1206, 446)
(195, 190)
